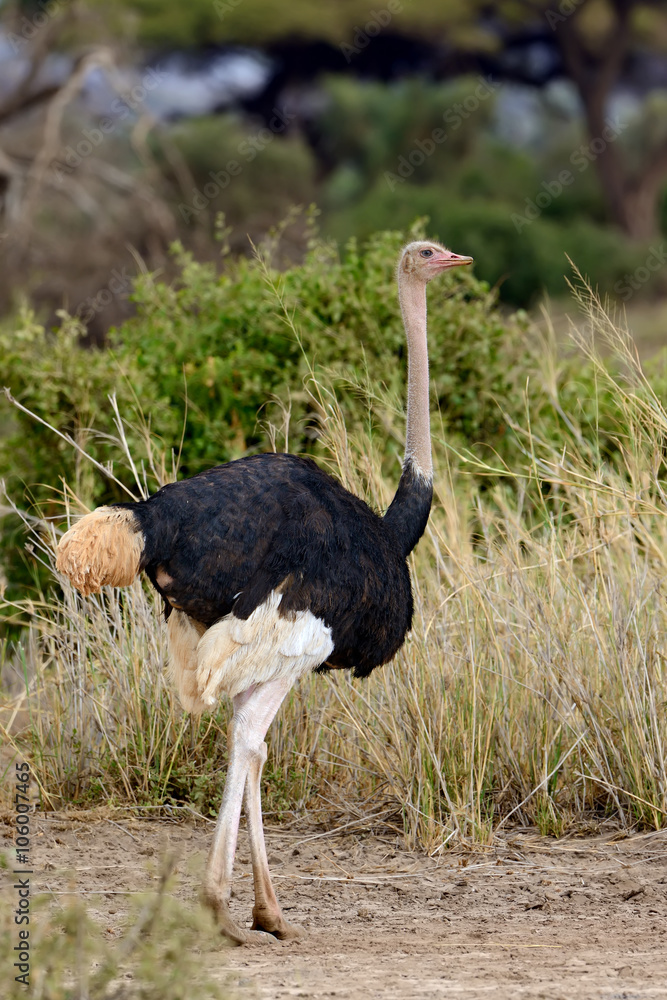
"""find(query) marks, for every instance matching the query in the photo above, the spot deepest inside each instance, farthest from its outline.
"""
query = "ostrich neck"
(412, 296)
(408, 512)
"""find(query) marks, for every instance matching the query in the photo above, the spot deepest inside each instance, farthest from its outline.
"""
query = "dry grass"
(530, 691)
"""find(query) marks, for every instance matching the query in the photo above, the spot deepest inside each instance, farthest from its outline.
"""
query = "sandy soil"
(532, 917)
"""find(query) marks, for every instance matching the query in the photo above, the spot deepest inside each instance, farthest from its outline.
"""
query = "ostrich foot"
(229, 928)
(273, 922)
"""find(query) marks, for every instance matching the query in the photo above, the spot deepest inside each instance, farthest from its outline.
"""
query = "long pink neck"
(412, 296)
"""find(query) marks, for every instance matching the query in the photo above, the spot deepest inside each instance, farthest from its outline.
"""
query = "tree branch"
(67, 92)
(24, 97)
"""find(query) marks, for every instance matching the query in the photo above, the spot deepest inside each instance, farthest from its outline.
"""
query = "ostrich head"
(424, 259)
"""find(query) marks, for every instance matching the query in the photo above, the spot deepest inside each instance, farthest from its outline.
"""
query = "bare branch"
(24, 97)
(54, 117)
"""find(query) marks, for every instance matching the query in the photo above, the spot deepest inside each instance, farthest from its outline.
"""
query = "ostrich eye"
(426, 253)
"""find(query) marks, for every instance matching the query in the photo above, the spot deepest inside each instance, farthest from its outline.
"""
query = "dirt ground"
(531, 917)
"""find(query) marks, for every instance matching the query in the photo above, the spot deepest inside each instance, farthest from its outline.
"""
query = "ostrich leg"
(266, 913)
(254, 710)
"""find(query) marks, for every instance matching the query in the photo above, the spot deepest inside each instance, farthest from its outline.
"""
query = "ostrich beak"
(448, 259)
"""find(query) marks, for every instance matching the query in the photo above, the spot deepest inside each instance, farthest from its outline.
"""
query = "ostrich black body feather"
(223, 540)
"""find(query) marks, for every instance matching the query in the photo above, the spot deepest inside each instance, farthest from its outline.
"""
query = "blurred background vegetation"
(126, 125)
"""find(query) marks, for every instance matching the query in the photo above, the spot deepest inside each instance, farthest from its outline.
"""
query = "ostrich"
(269, 568)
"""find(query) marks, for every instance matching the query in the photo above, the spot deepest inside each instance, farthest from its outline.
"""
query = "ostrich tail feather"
(103, 548)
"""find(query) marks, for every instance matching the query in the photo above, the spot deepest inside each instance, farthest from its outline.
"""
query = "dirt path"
(531, 918)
